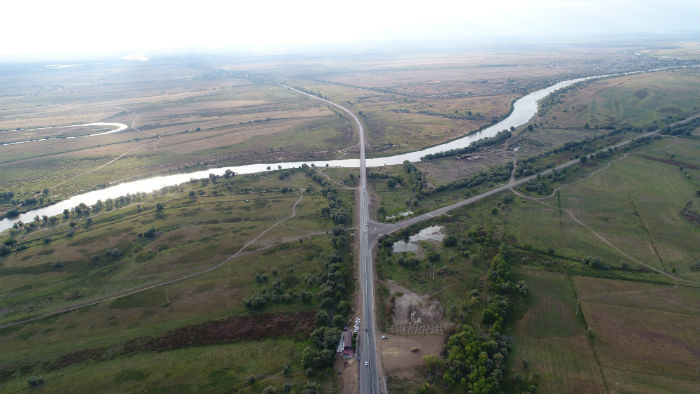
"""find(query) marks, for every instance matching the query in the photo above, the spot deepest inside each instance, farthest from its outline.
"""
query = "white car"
(384, 337)
(366, 363)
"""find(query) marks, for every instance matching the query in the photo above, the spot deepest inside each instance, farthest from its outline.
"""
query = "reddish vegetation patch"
(641, 93)
(672, 162)
(690, 214)
(232, 329)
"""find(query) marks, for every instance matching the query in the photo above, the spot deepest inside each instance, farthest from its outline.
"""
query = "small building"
(347, 344)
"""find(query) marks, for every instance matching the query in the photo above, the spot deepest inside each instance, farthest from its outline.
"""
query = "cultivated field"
(645, 335)
(551, 338)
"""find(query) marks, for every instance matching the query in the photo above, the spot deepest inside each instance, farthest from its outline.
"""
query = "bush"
(270, 390)
(449, 241)
(34, 381)
(13, 213)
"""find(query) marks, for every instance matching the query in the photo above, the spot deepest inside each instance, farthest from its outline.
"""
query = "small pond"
(429, 233)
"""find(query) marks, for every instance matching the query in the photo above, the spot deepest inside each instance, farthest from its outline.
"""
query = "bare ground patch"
(398, 358)
(414, 314)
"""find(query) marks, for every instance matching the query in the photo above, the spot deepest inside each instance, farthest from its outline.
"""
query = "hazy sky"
(68, 27)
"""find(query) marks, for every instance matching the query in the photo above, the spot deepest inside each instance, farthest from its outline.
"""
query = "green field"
(629, 217)
(551, 337)
(637, 100)
(201, 369)
(200, 225)
(584, 281)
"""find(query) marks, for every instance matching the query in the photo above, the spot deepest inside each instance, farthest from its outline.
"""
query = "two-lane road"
(369, 382)
(371, 231)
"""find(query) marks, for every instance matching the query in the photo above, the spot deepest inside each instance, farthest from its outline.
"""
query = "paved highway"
(370, 231)
(369, 382)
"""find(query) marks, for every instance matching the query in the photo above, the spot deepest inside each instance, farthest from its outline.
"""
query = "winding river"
(118, 127)
(523, 110)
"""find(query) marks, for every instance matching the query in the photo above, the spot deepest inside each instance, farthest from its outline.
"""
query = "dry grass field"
(645, 335)
(552, 339)
(179, 119)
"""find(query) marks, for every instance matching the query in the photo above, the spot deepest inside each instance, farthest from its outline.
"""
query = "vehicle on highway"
(366, 363)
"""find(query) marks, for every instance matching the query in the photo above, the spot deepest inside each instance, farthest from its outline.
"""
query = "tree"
(434, 256)
(338, 320)
(450, 241)
(434, 366)
(312, 387)
(322, 318)
(325, 337)
(159, 207)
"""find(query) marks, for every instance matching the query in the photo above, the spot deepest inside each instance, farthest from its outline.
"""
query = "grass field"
(635, 99)
(196, 334)
(192, 233)
(175, 126)
(645, 335)
(200, 225)
(214, 368)
(552, 339)
(634, 332)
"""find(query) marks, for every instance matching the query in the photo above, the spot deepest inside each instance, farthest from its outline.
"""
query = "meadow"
(199, 227)
(231, 274)
(608, 253)
(182, 120)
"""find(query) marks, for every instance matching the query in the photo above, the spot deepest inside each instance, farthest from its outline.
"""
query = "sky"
(50, 28)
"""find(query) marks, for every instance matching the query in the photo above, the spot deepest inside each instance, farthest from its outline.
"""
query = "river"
(523, 110)
(118, 127)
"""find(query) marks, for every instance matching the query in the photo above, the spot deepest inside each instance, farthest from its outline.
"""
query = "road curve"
(369, 381)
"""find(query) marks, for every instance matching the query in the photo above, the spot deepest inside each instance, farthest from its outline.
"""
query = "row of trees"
(336, 210)
(574, 149)
(682, 129)
(494, 174)
(502, 136)
(332, 284)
